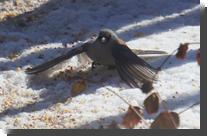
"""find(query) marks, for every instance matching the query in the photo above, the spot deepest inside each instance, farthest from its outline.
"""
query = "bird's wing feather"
(53, 62)
(145, 52)
(132, 69)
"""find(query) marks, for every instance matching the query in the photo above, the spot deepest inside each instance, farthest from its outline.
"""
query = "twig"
(165, 60)
(119, 96)
(189, 107)
(129, 105)
(168, 57)
(194, 43)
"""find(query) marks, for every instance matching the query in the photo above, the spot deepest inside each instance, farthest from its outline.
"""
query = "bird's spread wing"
(131, 68)
(53, 62)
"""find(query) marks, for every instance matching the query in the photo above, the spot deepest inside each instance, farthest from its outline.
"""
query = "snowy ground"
(204, 2)
(45, 102)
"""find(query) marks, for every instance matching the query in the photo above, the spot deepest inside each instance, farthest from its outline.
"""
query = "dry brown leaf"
(182, 50)
(198, 57)
(166, 120)
(78, 87)
(151, 103)
(131, 119)
(147, 87)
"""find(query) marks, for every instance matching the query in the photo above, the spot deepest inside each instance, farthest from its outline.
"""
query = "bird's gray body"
(100, 54)
(108, 49)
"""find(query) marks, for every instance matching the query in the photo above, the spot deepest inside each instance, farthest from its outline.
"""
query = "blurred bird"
(108, 49)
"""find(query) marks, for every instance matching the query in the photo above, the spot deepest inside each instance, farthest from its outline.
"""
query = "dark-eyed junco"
(108, 49)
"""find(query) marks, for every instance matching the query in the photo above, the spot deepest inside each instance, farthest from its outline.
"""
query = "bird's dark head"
(107, 35)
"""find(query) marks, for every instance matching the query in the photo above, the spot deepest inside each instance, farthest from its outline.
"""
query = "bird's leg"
(94, 64)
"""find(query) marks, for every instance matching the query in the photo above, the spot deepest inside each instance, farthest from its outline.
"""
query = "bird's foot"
(94, 64)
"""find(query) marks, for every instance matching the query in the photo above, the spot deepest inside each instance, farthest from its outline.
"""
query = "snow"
(2, 133)
(45, 101)
(204, 2)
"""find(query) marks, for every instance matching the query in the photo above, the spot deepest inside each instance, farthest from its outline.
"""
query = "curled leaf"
(166, 120)
(182, 50)
(198, 57)
(151, 103)
(131, 119)
(78, 87)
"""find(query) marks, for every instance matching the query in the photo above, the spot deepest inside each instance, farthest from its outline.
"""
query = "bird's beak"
(151, 55)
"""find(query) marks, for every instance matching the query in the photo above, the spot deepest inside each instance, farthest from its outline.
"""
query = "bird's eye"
(103, 39)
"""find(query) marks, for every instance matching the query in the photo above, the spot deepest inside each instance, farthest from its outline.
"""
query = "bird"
(110, 50)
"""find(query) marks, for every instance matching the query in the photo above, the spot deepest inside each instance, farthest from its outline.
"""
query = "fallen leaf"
(147, 87)
(78, 87)
(198, 57)
(151, 103)
(182, 50)
(166, 120)
(131, 118)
